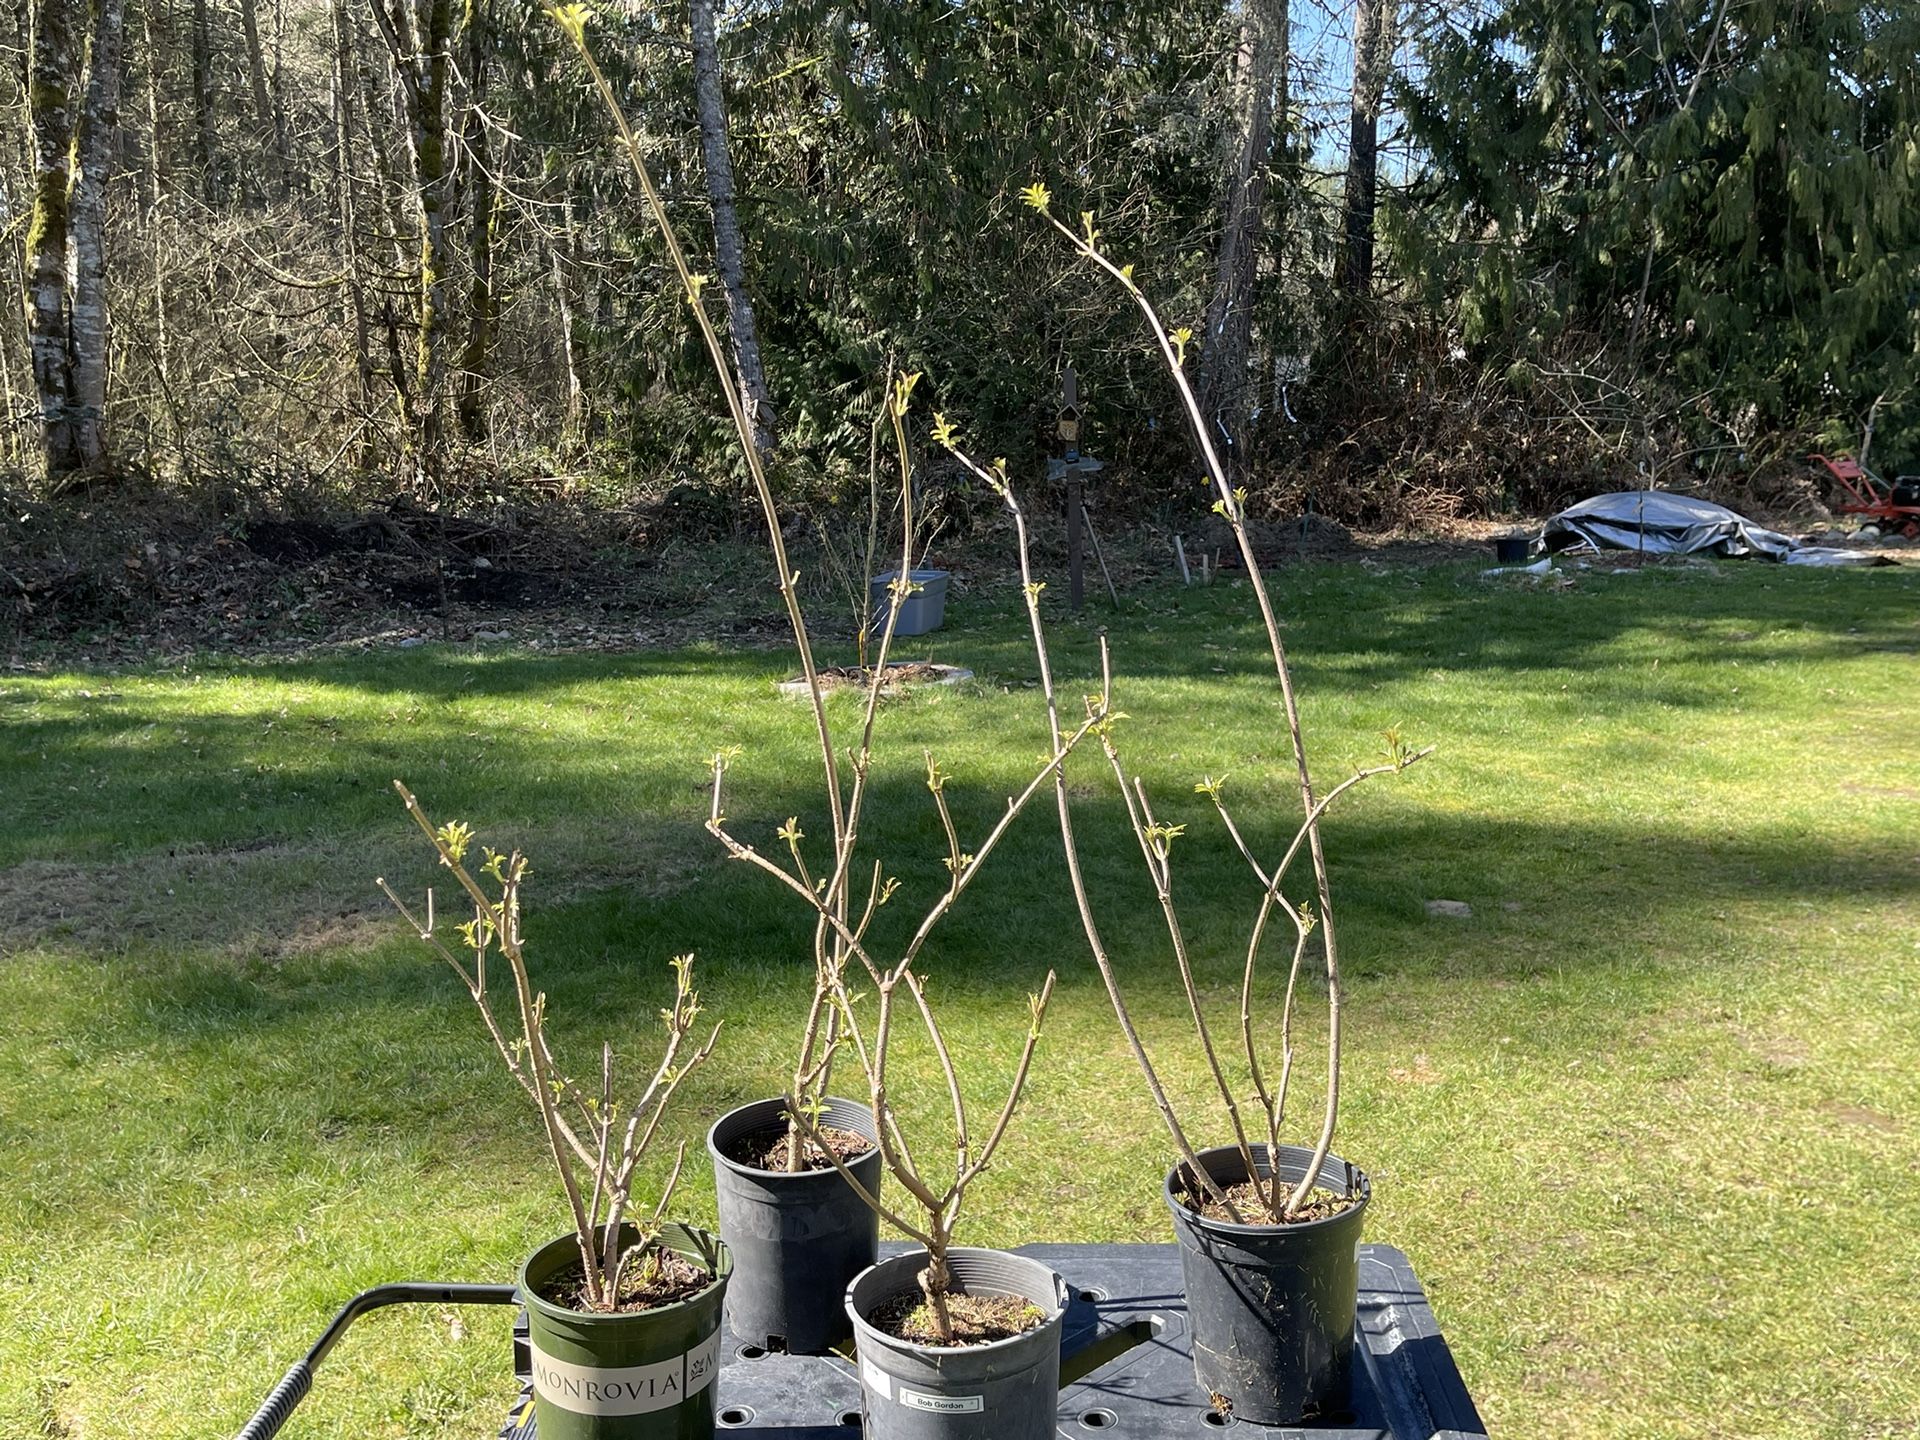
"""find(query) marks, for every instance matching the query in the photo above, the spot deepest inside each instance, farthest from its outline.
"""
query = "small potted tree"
(798, 1233)
(952, 1340)
(1269, 1233)
(623, 1311)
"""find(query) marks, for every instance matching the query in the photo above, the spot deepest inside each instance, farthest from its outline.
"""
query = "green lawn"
(1648, 1123)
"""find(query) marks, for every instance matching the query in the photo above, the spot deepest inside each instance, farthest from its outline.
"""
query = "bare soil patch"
(278, 900)
(134, 578)
(977, 1319)
(770, 1149)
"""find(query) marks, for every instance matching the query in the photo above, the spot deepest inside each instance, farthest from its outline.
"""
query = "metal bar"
(293, 1387)
(1100, 555)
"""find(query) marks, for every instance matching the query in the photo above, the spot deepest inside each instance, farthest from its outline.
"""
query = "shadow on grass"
(1546, 896)
(120, 770)
(1450, 615)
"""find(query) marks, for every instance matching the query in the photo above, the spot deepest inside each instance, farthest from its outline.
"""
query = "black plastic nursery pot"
(644, 1376)
(1272, 1306)
(797, 1239)
(1006, 1390)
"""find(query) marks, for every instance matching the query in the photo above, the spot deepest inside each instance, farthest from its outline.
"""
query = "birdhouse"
(1070, 408)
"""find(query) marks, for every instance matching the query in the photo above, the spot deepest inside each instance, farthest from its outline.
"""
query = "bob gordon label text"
(628, 1389)
(941, 1404)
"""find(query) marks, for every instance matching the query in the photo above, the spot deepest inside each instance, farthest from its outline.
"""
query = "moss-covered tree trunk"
(419, 34)
(52, 65)
(93, 147)
(476, 354)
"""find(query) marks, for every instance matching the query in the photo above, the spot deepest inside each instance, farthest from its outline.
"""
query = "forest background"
(282, 255)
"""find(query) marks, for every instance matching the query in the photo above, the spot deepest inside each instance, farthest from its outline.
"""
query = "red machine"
(1893, 505)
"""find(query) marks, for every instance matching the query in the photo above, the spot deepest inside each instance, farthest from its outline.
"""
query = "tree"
(419, 36)
(1260, 66)
(1374, 26)
(93, 149)
(481, 220)
(52, 63)
(710, 103)
(1725, 196)
(66, 235)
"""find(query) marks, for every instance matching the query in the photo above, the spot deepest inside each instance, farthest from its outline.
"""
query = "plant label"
(627, 1389)
(942, 1404)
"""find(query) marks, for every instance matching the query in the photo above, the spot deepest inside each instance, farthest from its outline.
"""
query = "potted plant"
(623, 1311)
(797, 1232)
(951, 1340)
(1269, 1233)
(963, 1340)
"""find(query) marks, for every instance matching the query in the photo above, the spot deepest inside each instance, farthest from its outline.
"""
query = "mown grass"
(1647, 1123)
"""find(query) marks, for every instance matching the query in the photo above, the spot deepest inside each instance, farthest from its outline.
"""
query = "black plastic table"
(1125, 1368)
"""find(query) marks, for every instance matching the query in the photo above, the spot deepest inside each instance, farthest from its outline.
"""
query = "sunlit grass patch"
(1645, 1122)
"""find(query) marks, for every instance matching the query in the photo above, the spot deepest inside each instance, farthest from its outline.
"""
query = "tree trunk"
(52, 65)
(203, 102)
(87, 340)
(1223, 389)
(750, 374)
(377, 91)
(561, 251)
(156, 38)
(277, 89)
(419, 33)
(264, 125)
(433, 178)
(157, 182)
(1373, 41)
(474, 356)
(346, 200)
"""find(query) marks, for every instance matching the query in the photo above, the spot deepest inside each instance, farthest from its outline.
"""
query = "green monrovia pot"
(645, 1376)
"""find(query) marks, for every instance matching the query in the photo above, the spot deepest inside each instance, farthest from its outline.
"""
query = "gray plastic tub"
(1006, 1390)
(922, 611)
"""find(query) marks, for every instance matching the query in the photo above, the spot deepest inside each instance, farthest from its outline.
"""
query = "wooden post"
(1076, 560)
(1070, 434)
